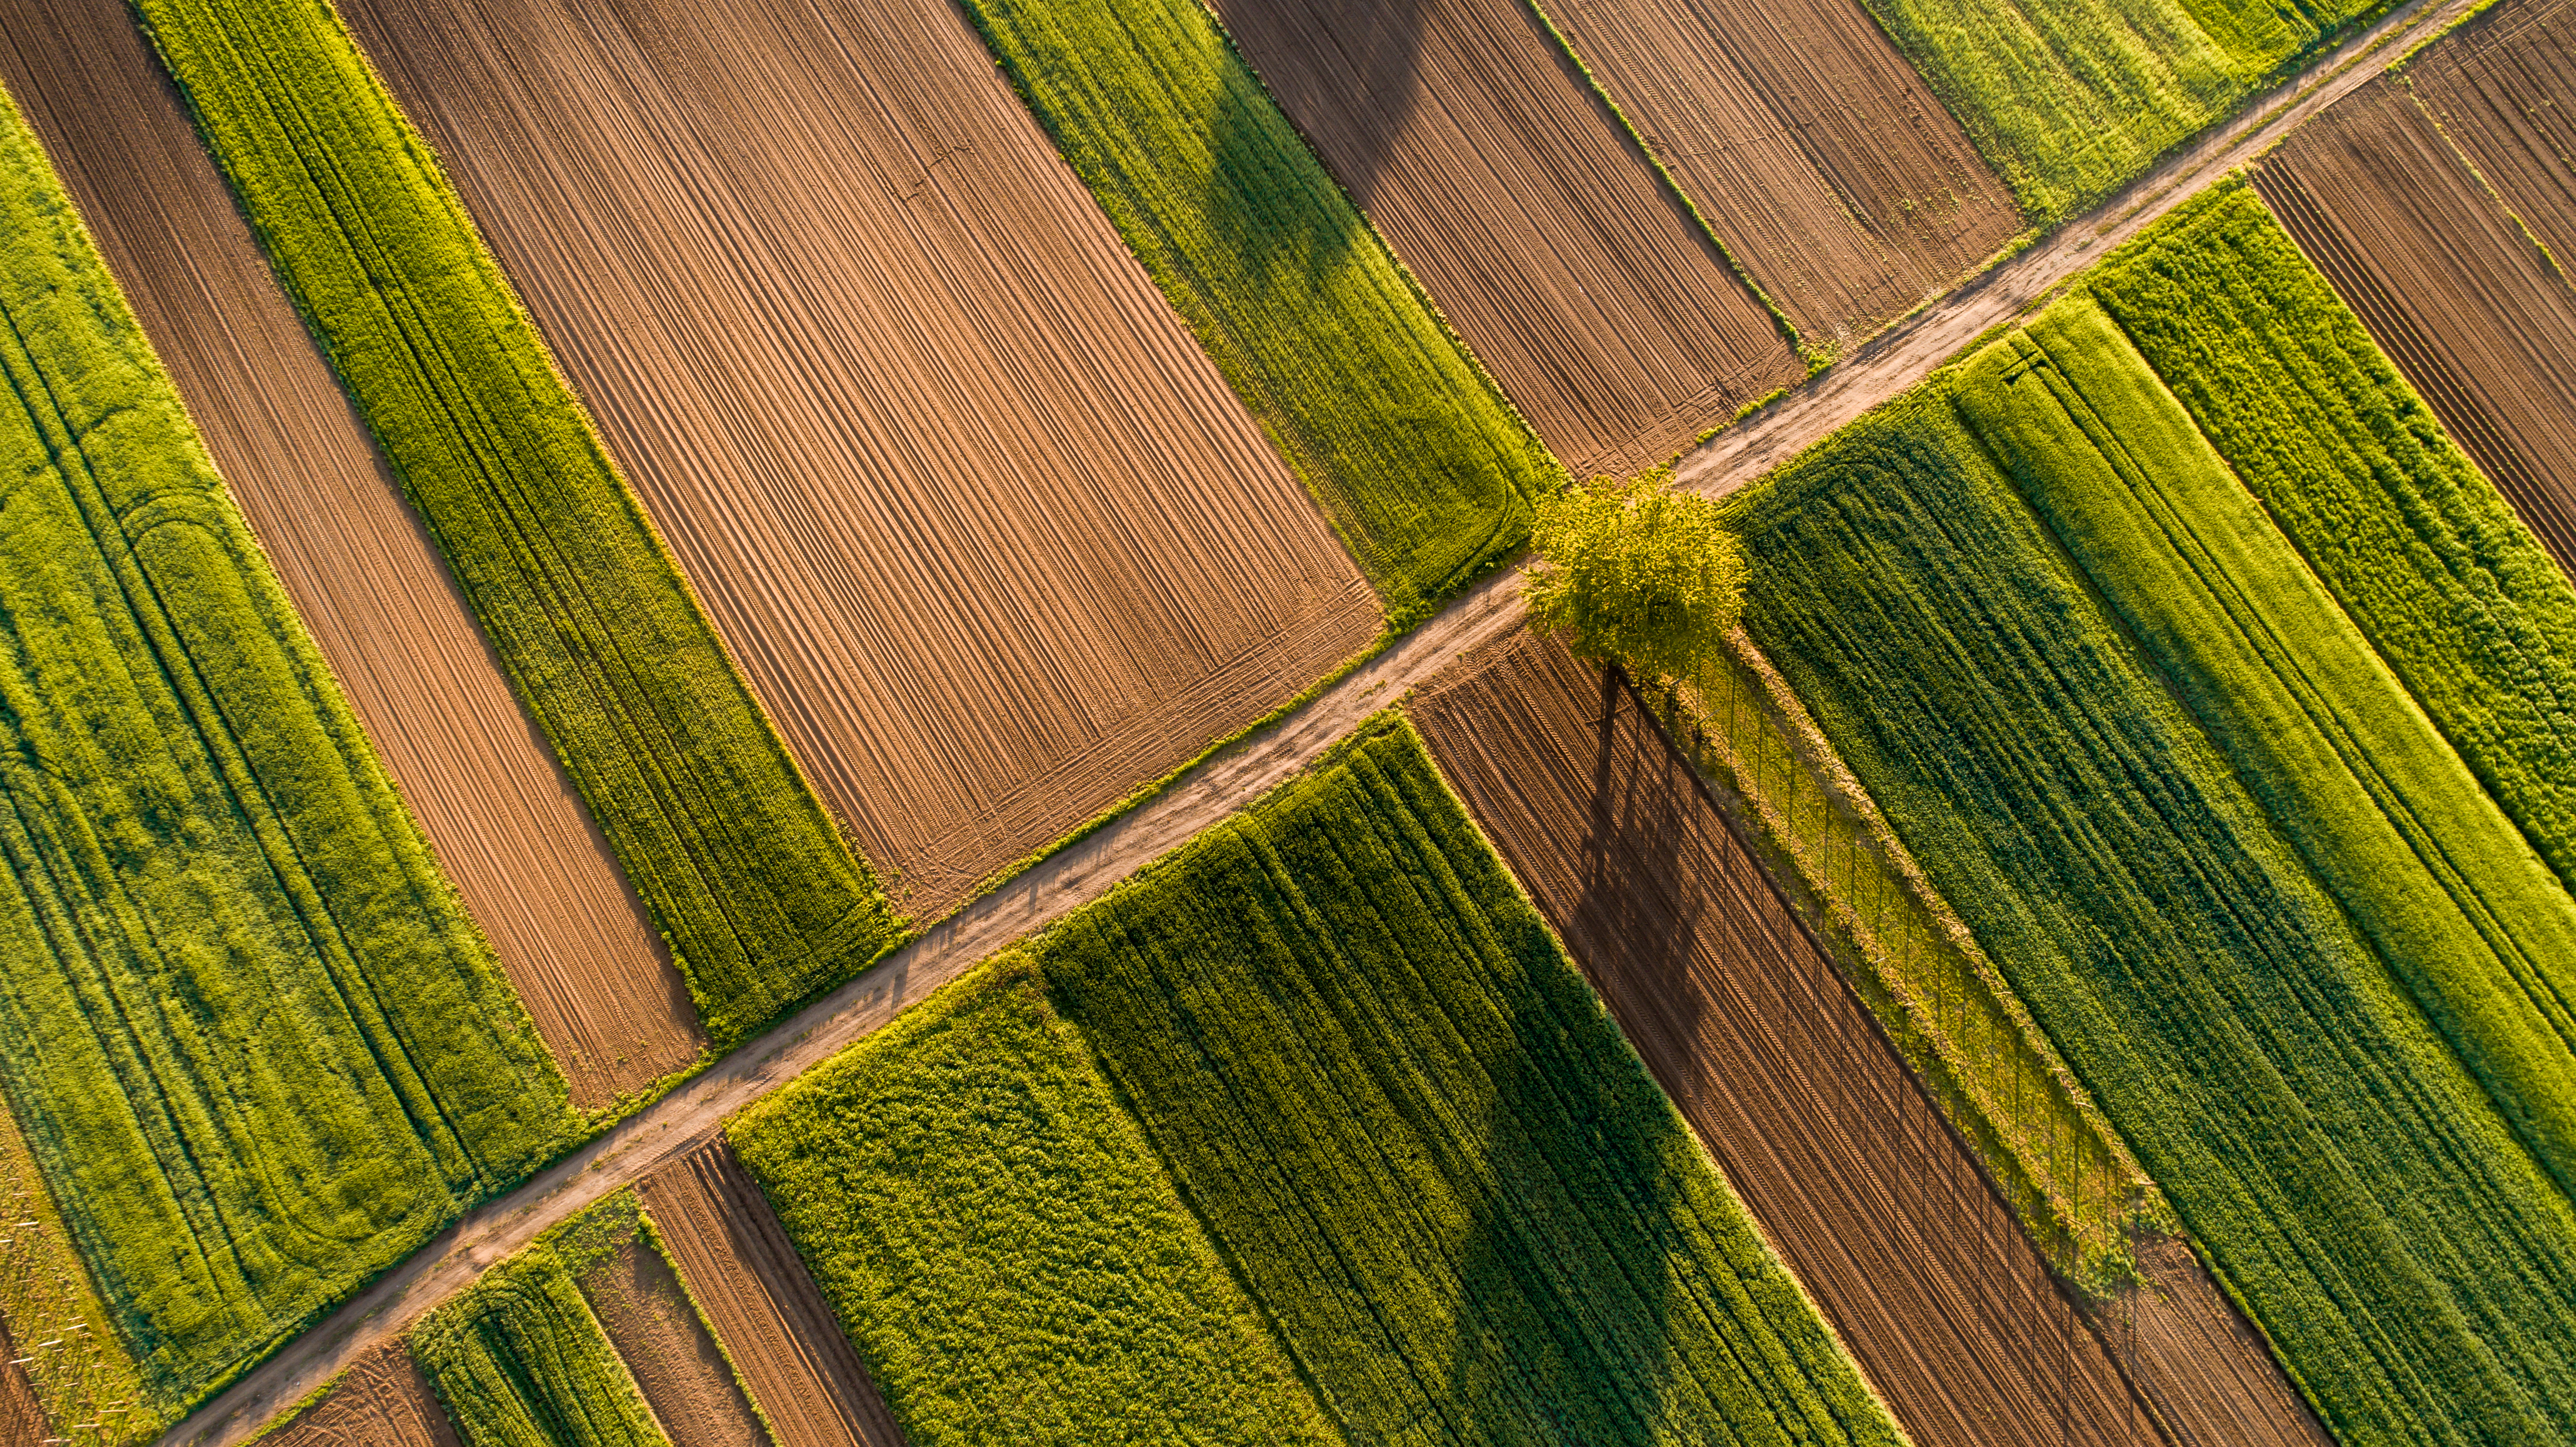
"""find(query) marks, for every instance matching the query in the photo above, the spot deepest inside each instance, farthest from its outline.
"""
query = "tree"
(1636, 573)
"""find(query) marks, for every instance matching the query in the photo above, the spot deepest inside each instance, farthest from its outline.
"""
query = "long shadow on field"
(1358, 82)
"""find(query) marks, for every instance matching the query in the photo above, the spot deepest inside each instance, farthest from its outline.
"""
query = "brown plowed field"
(383, 1401)
(982, 524)
(764, 1305)
(1820, 157)
(2195, 1356)
(2503, 88)
(362, 571)
(1489, 165)
(1852, 1173)
(2460, 300)
(675, 1363)
(22, 1419)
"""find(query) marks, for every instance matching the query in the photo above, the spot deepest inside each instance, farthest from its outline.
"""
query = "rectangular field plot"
(2353, 1184)
(1814, 150)
(1924, 1272)
(978, 519)
(362, 571)
(2380, 193)
(1475, 145)
(252, 1040)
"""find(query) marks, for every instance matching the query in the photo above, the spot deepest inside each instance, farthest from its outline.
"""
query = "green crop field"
(2068, 100)
(252, 1040)
(1002, 1245)
(747, 875)
(2420, 550)
(519, 1360)
(2349, 1179)
(1408, 1122)
(1425, 469)
(2372, 797)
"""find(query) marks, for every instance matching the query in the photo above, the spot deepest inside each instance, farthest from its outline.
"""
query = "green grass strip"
(519, 1360)
(1424, 468)
(2068, 100)
(2370, 794)
(252, 1039)
(2419, 548)
(745, 872)
(2351, 1182)
(248, 1031)
(1415, 1133)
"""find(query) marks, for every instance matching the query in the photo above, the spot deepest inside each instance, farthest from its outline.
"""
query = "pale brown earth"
(689, 1117)
(2503, 88)
(1817, 154)
(980, 521)
(677, 1366)
(505, 824)
(383, 1401)
(22, 1418)
(2195, 1356)
(764, 1305)
(2458, 297)
(1579, 280)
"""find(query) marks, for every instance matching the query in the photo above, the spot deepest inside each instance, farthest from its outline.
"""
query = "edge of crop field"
(651, 1235)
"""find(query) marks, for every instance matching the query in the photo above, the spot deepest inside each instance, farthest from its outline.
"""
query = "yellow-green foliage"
(745, 872)
(520, 1361)
(2422, 552)
(86, 1375)
(1002, 1246)
(2352, 1183)
(2068, 100)
(1636, 573)
(253, 1041)
(1416, 1134)
(1425, 469)
(2375, 801)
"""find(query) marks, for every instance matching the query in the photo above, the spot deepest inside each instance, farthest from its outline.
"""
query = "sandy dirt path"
(982, 524)
(2421, 247)
(1824, 162)
(1460, 127)
(691, 1116)
(362, 571)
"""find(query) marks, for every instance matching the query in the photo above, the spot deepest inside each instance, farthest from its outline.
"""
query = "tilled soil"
(677, 1366)
(2453, 292)
(764, 1305)
(1858, 1182)
(361, 569)
(979, 520)
(383, 1401)
(2198, 1359)
(22, 1417)
(2503, 88)
(1575, 275)
(1824, 162)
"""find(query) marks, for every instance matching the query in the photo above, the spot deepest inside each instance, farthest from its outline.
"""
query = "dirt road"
(1076, 876)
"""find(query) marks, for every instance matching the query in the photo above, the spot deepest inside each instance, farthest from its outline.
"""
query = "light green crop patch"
(256, 1047)
(1425, 469)
(744, 870)
(1002, 1246)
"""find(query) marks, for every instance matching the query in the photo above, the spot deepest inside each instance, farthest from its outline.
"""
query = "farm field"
(899, 315)
(2350, 1180)
(1477, 148)
(363, 573)
(2068, 100)
(1425, 469)
(741, 866)
(1948, 1307)
(252, 1041)
(678, 1367)
(2381, 194)
(383, 1401)
(1819, 156)
(763, 1304)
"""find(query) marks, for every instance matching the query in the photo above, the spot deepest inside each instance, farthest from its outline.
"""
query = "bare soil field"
(678, 1367)
(2197, 1358)
(763, 1303)
(981, 523)
(2503, 88)
(1827, 165)
(2449, 286)
(22, 1418)
(1485, 159)
(1879, 1210)
(505, 824)
(383, 1401)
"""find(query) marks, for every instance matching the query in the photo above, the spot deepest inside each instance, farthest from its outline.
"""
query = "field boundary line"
(1084, 869)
